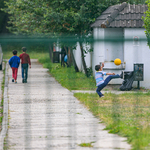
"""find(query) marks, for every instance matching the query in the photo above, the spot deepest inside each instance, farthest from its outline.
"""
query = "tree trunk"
(83, 60)
(51, 52)
(74, 62)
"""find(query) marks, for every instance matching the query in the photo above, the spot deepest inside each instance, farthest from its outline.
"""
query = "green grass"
(7, 54)
(2, 100)
(85, 145)
(126, 114)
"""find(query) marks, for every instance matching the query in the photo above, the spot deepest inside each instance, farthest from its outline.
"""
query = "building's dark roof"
(121, 16)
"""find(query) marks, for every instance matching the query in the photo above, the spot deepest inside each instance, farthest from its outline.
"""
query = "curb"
(5, 110)
(110, 91)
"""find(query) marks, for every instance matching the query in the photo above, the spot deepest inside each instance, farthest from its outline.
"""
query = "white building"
(119, 33)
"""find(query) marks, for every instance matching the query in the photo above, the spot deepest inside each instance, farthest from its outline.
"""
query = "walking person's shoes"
(12, 80)
(15, 81)
(24, 80)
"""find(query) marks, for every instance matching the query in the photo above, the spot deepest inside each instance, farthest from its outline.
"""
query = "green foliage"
(2, 100)
(85, 145)
(55, 17)
(65, 17)
(136, 1)
(147, 22)
(133, 1)
(34, 49)
(51, 17)
(3, 18)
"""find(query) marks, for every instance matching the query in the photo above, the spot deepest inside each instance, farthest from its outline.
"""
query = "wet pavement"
(43, 115)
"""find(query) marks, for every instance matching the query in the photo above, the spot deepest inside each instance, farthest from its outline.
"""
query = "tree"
(3, 18)
(136, 1)
(56, 17)
(146, 20)
(52, 17)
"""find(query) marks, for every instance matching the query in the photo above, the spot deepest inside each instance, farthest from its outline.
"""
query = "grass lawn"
(1, 98)
(7, 53)
(125, 114)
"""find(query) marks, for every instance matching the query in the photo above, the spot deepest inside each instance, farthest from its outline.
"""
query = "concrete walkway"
(45, 116)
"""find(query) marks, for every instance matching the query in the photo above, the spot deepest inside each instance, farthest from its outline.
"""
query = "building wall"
(137, 51)
(132, 50)
(98, 47)
(114, 44)
(105, 50)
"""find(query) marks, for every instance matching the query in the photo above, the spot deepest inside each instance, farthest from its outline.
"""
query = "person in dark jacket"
(14, 64)
(64, 59)
(25, 61)
(63, 54)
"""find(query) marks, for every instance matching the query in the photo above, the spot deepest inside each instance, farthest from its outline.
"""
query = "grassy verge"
(85, 145)
(68, 77)
(33, 54)
(2, 100)
(126, 114)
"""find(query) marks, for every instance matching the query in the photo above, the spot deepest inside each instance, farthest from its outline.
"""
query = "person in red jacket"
(25, 61)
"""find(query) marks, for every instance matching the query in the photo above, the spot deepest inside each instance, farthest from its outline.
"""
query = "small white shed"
(119, 33)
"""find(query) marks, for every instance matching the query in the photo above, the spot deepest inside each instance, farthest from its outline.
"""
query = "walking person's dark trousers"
(24, 71)
(107, 80)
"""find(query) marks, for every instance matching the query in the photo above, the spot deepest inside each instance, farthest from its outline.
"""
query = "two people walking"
(14, 63)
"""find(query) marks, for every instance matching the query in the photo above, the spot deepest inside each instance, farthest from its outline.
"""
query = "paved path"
(45, 116)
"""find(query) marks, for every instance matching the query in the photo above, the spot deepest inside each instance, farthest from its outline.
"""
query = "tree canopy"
(147, 22)
(63, 16)
(56, 17)
(3, 18)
